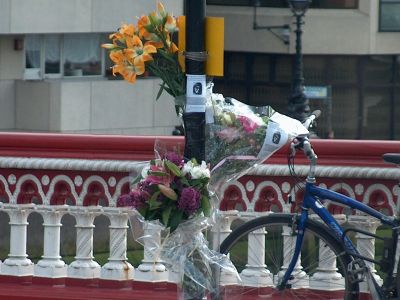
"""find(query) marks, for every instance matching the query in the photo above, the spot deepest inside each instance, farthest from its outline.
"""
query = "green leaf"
(173, 168)
(160, 91)
(158, 173)
(143, 211)
(153, 203)
(165, 215)
(176, 219)
(185, 181)
(205, 205)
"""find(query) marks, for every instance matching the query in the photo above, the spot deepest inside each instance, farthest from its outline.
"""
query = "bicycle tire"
(272, 227)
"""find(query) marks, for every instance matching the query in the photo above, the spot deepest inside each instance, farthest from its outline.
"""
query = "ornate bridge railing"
(54, 187)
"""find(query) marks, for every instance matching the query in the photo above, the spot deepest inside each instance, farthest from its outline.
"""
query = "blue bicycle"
(309, 257)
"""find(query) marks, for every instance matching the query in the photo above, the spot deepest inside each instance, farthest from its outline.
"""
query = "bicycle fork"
(299, 231)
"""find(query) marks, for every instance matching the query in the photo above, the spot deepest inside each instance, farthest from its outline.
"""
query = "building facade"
(55, 77)
(351, 52)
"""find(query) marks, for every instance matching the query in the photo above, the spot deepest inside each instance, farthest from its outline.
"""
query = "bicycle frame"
(311, 201)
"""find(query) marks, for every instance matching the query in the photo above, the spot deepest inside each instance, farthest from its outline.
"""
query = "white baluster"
(17, 263)
(326, 276)
(366, 243)
(151, 268)
(256, 272)
(220, 231)
(301, 279)
(84, 267)
(222, 228)
(51, 265)
(117, 267)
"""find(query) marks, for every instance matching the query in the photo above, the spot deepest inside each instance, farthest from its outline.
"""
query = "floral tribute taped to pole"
(175, 199)
(149, 45)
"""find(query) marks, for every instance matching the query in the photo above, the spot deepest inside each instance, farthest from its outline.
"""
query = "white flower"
(187, 168)
(196, 171)
(200, 171)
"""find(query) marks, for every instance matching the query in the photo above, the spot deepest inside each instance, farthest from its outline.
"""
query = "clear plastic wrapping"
(240, 136)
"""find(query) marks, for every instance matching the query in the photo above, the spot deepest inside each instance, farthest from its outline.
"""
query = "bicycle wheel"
(261, 249)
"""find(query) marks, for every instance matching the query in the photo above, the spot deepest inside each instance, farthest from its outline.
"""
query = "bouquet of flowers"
(149, 45)
(171, 191)
(239, 136)
(172, 201)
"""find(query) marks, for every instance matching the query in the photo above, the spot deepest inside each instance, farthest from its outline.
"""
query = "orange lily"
(144, 25)
(124, 67)
(161, 9)
(137, 51)
(170, 24)
(172, 48)
(126, 30)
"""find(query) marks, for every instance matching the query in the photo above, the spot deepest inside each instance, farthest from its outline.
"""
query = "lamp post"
(298, 107)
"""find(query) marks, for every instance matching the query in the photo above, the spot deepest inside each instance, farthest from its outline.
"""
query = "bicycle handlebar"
(304, 144)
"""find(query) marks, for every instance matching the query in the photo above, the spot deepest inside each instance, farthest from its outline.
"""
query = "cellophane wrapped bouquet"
(173, 208)
(240, 136)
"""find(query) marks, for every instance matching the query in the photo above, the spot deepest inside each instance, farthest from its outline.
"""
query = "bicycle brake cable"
(296, 179)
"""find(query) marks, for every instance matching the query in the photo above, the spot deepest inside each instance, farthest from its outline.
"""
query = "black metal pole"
(194, 116)
(195, 16)
(298, 107)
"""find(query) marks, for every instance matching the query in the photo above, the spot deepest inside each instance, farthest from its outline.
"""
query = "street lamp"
(298, 107)
(282, 32)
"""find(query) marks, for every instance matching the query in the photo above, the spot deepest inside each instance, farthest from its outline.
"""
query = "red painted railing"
(87, 170)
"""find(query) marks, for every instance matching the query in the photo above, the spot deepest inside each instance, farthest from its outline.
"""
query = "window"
(63, 55)
(52, 54)
(364, 89)
(389, 15)
(82, 55)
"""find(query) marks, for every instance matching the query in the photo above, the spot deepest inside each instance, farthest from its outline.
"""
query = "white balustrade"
(151, 269)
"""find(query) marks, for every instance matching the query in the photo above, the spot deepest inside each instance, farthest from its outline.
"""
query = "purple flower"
(145, 189)
(189, 201)
(124, 200)
(133, 199)
(174, 158)
(138, 201)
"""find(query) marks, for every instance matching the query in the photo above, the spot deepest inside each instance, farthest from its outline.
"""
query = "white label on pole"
(195, 93)
(195, 85)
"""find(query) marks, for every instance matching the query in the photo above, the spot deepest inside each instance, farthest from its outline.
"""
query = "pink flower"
(229, 134)
(248, 124)
(164, 179)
